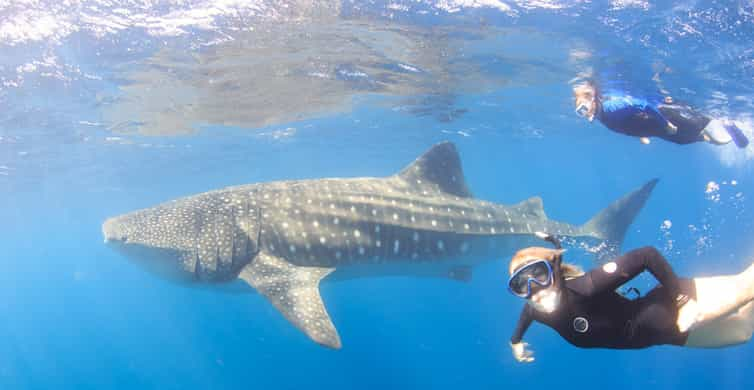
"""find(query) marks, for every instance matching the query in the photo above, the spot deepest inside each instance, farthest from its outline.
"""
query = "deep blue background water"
(74, 314)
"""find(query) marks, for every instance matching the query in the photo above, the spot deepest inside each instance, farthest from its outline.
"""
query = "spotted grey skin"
(283, 238)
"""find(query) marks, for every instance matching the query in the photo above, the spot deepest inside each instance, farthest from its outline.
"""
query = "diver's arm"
(634, 116)
(518, 346)
(624, 268)
(523, 324)
(657, 115)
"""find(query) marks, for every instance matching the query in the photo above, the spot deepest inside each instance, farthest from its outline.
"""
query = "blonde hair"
(528, 255)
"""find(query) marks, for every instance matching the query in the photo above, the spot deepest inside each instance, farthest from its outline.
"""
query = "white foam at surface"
(624, 4)
(457, 5)
(34, 25)
(397, 7)
(26, 21)
(34, 20)
(544, 4)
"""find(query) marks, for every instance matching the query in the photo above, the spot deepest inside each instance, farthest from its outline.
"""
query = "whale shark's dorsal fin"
(532, 207)
(440, 165)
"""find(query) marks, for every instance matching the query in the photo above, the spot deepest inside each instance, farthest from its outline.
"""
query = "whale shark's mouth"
(167, 263)
(111, 233)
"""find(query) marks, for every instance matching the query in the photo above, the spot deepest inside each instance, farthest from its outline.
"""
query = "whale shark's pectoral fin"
(294, 291)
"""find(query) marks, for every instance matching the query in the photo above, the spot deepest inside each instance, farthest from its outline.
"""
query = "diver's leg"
(716, 133)
(733, 329)
(686, 123)
(720, 296)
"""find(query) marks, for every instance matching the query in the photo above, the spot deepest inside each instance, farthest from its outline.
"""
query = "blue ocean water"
(107, 107)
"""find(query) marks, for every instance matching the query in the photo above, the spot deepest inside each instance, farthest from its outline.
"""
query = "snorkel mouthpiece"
(583, 110)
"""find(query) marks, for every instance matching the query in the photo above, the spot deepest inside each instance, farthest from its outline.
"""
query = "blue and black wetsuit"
(637, 117)
(591, 314)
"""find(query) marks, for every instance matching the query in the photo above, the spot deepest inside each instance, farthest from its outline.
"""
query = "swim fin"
(738, 136)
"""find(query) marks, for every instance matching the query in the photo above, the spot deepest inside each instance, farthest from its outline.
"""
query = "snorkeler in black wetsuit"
(586, 310)
(592, 314)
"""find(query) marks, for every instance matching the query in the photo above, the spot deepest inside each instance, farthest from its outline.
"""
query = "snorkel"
(548, 300)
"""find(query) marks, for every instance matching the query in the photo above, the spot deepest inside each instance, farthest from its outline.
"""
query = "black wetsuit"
(591, 314)
(639, 118)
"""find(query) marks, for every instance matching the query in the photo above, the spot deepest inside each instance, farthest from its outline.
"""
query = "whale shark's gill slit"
(233, 255)
(253, 252)
(197, 267)
(218, 257)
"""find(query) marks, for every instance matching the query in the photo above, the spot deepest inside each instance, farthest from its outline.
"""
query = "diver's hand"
(671, 128)
(521, 353)
(644, 140)
(688, 316)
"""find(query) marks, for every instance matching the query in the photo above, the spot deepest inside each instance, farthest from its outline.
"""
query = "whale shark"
(283, 238)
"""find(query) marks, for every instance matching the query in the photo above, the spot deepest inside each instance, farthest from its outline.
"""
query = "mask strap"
(557, 278)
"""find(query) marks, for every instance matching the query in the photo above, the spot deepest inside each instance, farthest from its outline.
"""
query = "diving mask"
(538, 272)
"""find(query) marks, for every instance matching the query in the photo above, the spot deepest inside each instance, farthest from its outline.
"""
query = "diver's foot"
(645, 140)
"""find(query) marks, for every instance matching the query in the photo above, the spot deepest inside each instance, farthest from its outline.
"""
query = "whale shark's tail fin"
(612, 223)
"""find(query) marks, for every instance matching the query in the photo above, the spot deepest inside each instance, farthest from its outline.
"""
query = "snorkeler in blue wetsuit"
(672, 121)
